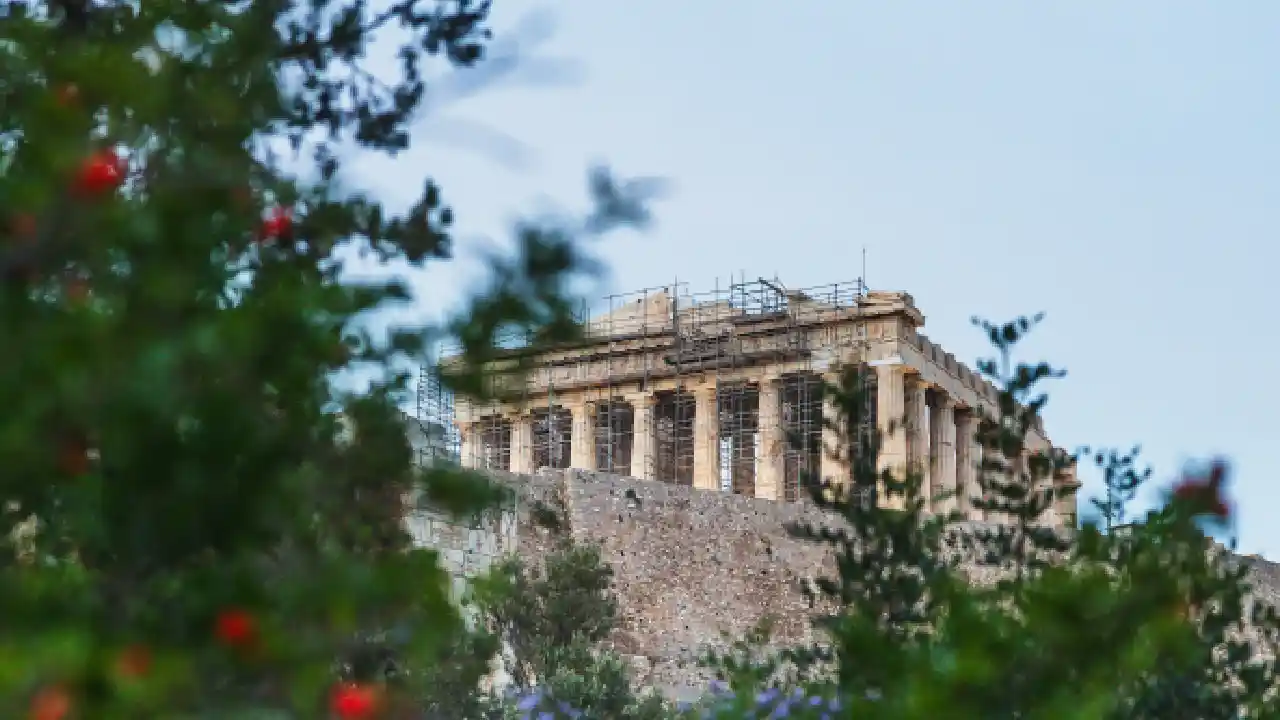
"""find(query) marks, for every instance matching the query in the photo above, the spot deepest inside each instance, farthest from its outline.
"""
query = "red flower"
(51, 703)
(23, 226)
(134, 661)
(1204, 493)
(236, 627)
(68, 94)
(278, 224)
(76, 290)
(73, 458)
(352, 701)
(101, 173)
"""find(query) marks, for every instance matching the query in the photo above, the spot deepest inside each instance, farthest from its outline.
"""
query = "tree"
(1121, 481)
(218, 525)
(1141, 621)
(1232, 674)
(555, 617)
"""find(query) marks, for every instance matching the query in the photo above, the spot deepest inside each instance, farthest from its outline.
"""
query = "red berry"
(352, 701)
(1205, 493)
(73, 458)
(236, 627)
(68, 94)
(102, 172)
(278, 224)
(76, 290)
(51, 703)
(134, 661)
(23, 226)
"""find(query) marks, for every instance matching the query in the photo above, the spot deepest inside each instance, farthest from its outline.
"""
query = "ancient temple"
(704, 390)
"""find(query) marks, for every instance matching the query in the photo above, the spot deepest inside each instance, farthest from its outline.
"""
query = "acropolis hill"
(703, 391)
(662, 438)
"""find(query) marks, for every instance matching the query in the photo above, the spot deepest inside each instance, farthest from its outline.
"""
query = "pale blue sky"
(1112, 164)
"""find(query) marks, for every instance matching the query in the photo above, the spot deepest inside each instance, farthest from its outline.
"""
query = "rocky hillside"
(693, 569)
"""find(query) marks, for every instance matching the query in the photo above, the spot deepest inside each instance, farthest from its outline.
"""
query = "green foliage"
(1230, 670)
(1125, 619)
(176, 457)
(555, 619)
(203, 525)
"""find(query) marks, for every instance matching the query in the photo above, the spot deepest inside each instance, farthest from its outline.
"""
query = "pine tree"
(888, 550)
(1120, 480)
(1132, 623)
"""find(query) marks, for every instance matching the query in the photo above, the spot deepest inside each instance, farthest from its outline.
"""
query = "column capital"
(942, 400)
(916, 381)
(638, 400)
(894, 361)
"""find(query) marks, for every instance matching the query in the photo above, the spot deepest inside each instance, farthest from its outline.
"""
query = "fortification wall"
(467, 549)
(693, 569)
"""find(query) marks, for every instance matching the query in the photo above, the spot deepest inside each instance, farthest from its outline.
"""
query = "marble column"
(706, 438)
(891, 410)
(522, 443)
(582, 446)
(942, 451)
(834, 465)
(641, 435)
(918, 432)
(771, 451)
(469, 444)
(966, 463)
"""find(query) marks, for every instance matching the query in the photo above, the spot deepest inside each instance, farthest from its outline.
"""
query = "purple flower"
(767, 696)
(530, 701)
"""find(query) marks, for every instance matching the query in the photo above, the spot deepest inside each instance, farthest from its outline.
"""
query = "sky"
(1114, 165)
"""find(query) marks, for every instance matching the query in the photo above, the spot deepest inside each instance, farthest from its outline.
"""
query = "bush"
(556, 620)
(205, 524)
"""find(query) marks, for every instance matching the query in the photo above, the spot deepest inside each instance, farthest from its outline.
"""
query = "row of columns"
(706, 435)
(920, 426)
(937, 438)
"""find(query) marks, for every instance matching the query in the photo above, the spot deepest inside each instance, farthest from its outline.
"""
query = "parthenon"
(704, 390)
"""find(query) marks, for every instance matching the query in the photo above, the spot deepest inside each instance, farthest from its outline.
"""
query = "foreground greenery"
(1149, 619)
(202, 525)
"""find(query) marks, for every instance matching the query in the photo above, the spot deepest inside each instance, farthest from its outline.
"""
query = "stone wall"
(467, 549)
(693, 568)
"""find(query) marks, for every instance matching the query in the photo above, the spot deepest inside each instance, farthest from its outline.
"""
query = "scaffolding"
(436, 437)
(642, 355)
